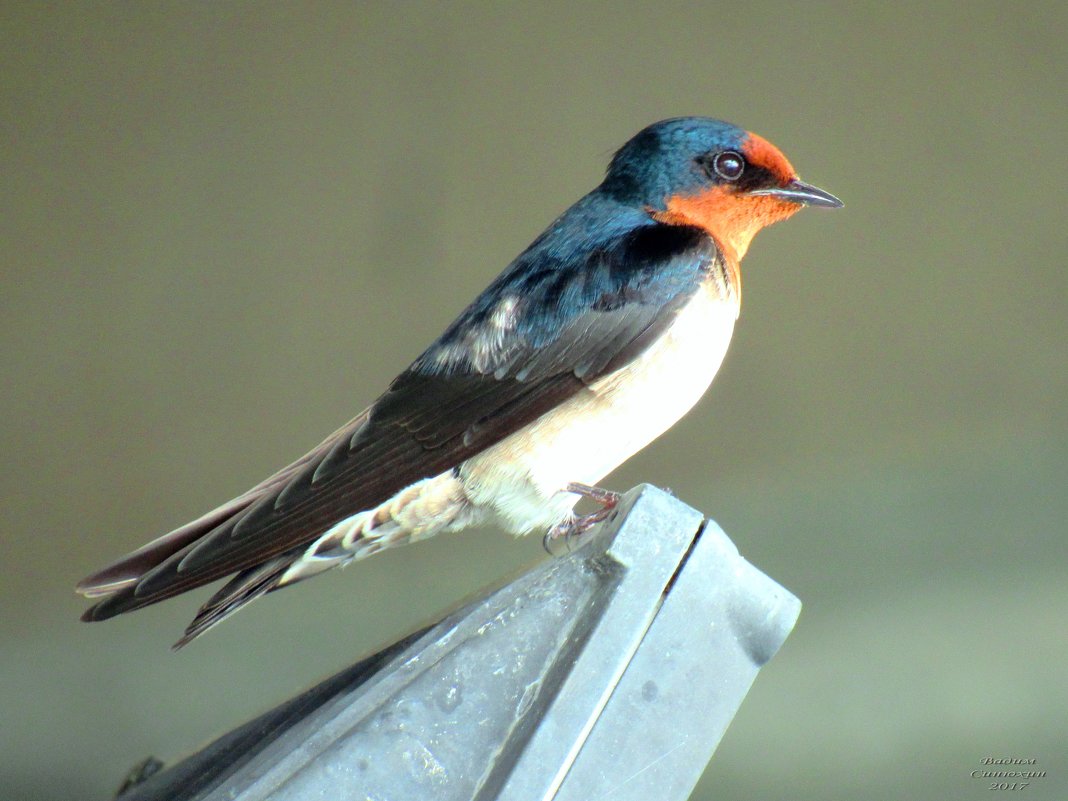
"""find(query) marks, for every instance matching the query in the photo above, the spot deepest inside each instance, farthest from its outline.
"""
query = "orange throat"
(729, 218)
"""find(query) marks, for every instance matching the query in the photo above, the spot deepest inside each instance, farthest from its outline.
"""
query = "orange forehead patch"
(763, 153)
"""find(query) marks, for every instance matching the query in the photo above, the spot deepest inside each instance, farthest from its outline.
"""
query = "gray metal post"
(610, 673)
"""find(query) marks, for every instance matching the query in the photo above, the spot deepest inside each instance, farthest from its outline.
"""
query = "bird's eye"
(728, 165)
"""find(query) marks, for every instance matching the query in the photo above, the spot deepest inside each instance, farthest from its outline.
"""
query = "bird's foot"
(566, 537)
(599, 495)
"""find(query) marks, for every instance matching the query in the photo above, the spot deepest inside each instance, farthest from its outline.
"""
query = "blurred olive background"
(225, 227)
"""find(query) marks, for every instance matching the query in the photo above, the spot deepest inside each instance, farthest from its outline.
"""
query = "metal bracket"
(609, 673)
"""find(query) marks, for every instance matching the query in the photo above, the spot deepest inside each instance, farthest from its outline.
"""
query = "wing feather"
(550, 324)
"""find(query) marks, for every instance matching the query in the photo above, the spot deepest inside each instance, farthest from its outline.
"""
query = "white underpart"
(519, 483)
(421, 510)
(520, 480)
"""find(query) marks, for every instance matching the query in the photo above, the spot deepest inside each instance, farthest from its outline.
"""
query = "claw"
(572, 533)
(606, 498)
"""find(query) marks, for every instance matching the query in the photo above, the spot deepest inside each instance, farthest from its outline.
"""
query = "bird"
(595, 340)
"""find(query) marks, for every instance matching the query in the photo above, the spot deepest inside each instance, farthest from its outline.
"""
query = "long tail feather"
(242, 589)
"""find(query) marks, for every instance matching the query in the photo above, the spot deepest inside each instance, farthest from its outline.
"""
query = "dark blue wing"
(587, 297)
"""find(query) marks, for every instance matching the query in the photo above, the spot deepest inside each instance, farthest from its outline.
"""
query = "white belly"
(520, 479)
(519, 482)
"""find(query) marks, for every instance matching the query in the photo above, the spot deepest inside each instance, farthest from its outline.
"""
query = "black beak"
(806, 194)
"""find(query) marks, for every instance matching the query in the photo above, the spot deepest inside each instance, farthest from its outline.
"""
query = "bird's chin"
(760, 211)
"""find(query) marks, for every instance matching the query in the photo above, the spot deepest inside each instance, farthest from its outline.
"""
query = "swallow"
(594, 341)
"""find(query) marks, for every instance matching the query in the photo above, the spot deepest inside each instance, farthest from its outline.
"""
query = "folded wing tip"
(95, 613)
(101, 584)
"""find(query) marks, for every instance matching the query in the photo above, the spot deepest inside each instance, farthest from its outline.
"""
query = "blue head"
(699, 171)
